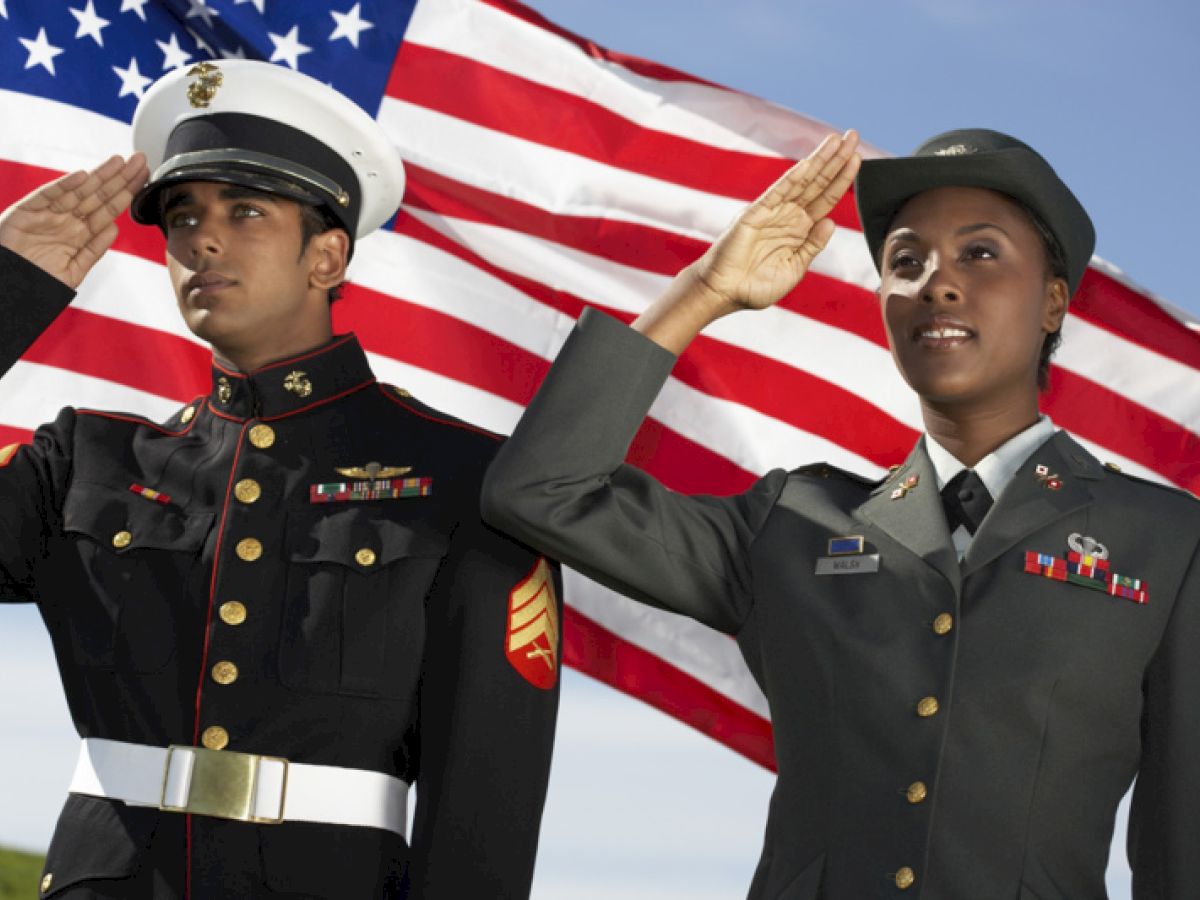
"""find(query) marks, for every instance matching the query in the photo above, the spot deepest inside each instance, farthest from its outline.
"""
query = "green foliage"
(19, 874)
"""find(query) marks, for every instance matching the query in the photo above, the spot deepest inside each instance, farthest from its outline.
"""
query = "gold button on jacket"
(215, 737)
(122, 539)
(249, 549)
(224, 672)
(905, 878)
(916, 792)
(232, 612)
(928, 706)
(262, 436)
(365, 557)
(247, 490)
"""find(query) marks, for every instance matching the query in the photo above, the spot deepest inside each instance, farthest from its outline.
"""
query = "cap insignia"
(208, 79)
(297, 382)
(956, 150)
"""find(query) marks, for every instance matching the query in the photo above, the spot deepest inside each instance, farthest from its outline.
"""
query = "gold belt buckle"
(223, 784)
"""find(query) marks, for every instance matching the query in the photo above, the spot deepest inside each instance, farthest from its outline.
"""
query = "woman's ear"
(1058, 297)
(330, 253)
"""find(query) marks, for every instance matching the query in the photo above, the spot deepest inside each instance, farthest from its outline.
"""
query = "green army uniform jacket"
(944, 731)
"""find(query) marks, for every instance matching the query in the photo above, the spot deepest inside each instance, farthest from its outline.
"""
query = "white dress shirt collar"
(996, 469)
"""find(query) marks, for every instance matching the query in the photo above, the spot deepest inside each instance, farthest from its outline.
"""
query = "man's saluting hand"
(65, 226)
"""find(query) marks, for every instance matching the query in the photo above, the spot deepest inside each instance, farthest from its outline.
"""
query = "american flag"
(545, 174)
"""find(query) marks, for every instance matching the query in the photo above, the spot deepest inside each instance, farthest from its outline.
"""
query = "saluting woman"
(968, 662)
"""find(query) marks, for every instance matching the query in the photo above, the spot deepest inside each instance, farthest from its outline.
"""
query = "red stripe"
(638, 246)
(636, 64)
(616, 662)
(11, 435)
(1137, 433)
(772, 387)
(500, 101)
(1117, 308)
(440, 343)
(148, 359)
(714, 367)
(635, 245)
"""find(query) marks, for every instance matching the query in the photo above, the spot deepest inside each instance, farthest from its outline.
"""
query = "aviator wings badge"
(373, 471)
(531, 643)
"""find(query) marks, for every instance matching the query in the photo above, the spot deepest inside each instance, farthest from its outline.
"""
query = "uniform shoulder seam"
(411, 404)
(826, 470)
(1170, 488)
(133, 419)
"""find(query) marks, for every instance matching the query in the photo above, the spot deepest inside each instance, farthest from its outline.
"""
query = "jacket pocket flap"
(122, 521)
(96, 839)
(348, 537)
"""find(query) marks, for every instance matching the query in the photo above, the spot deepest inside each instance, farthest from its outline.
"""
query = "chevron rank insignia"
(1086, 564)
(7, 454)
(531, 643)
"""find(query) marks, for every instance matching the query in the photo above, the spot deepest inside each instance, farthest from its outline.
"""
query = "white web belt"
(241, 786)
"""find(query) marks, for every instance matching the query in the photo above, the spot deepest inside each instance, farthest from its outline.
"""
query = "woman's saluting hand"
(764, 253)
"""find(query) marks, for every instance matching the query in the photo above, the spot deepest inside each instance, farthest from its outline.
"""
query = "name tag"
(847, 565)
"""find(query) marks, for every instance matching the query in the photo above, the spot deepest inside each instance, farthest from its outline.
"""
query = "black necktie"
(966, 501)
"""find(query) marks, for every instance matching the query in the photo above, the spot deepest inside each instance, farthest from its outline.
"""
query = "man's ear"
(330, 254)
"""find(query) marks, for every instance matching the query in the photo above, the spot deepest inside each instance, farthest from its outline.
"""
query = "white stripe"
(753, 440)
(1157, 382)
(54, 135)
(398, 266)
(713, 116)
(840, 357)
(550, 178)
(707, 655)
(131, 289)
(31, 394)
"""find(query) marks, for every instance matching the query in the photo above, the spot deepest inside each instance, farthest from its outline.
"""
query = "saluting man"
(276, 611)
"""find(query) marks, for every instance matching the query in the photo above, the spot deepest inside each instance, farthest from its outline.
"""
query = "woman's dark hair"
(1056, 267)
(314, 221)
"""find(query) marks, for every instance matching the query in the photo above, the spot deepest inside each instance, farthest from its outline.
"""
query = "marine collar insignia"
(297, 382)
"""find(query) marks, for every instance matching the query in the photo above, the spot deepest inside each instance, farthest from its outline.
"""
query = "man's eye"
(980, 251)
(903, 259)
(181, 220)
(246, 211)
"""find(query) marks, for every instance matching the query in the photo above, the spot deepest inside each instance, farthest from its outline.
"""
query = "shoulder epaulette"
(405, 399)
(1113, 468)
(825, 470)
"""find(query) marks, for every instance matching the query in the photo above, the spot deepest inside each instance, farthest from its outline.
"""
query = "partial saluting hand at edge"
(64, 227)
(764, 253)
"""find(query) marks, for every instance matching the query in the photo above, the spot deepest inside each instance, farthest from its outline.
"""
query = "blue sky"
(641, 807)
